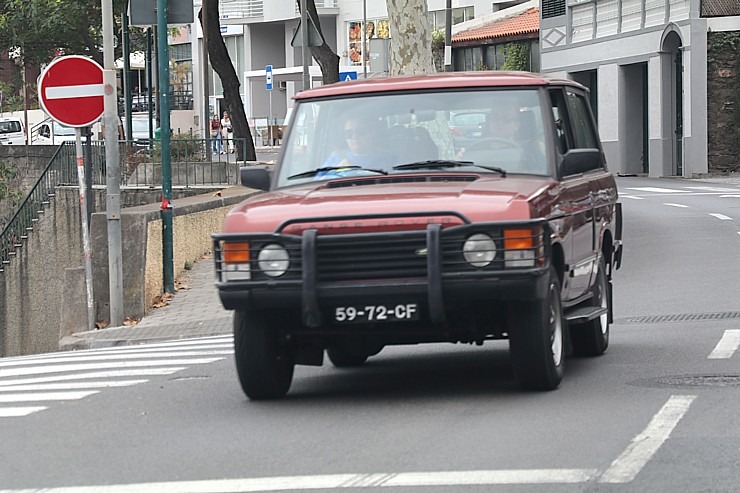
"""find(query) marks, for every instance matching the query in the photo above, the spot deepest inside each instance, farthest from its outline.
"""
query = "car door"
(577, 201)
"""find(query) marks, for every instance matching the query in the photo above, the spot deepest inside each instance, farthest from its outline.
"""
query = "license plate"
(401, 312)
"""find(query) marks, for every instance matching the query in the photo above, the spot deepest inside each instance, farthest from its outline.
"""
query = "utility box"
(144, 12)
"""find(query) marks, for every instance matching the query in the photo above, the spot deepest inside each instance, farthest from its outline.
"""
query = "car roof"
(444, 80)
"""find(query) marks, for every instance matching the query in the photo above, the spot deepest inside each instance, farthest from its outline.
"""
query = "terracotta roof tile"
(524, 23)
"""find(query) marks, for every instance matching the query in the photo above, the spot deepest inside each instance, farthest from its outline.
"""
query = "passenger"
(364, 146)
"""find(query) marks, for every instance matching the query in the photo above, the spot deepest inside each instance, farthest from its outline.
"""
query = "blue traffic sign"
(345, 76)
(268, 77)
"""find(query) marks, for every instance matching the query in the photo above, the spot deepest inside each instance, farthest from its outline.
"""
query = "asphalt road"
(656, 413)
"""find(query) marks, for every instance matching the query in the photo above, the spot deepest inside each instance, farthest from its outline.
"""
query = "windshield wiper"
(443, 163)
(314, 172)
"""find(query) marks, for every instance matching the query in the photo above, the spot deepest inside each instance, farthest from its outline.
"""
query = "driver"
(507, 129)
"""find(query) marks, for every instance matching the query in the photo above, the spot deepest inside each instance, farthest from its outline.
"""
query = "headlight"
(479, 250)
(273, 260)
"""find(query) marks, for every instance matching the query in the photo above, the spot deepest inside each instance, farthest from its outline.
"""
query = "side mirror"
(578, 161)
(257, 177)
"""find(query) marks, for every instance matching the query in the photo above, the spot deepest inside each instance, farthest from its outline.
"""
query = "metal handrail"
(28, 212)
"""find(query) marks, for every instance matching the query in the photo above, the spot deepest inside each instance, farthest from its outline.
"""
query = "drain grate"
(677, 317)
(701, 381)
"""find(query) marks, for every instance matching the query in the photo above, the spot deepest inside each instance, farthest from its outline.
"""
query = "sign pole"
(164, 122)
(305, 53)
(113, 170)
(86, 243)
(268, 87)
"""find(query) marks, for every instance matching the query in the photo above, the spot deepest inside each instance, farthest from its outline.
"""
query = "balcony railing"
(242, 8)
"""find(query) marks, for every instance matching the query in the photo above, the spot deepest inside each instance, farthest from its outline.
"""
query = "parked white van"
(52, 133)
(12, 131)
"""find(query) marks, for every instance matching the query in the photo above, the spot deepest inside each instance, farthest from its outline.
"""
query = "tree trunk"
(411, 37)
(221, 62)
(324, 55)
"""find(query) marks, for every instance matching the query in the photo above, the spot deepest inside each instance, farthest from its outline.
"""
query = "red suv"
(377, 227)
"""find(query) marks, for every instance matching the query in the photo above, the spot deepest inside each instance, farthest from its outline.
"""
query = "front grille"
(388, 255)
(381, 256)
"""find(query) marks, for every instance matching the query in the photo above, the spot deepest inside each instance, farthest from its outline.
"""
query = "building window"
(552, 8)
(460, 14)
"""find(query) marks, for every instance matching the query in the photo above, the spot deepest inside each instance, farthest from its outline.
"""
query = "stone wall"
(723, 100)
(43, 279)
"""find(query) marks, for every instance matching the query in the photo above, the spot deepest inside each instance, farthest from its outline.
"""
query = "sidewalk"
(194, 311)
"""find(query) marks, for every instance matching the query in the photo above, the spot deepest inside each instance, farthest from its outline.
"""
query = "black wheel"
(536, 340)
(347, 354)
(265, 368)
(592, 338)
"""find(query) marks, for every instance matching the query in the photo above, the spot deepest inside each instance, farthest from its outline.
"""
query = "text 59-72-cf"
(384, 224)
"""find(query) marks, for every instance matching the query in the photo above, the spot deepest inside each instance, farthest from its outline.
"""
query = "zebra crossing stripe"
(40, 387)
(40, 370)
(97, 374)
(109, 357)
(47, 396)
(15, 412)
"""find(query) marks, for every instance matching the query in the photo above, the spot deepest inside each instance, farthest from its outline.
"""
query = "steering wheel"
(486, 142)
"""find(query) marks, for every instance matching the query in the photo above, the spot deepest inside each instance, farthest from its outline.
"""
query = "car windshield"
(61, 130)
(501, 130)
(10, 127)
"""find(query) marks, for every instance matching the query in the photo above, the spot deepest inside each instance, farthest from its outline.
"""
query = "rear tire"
(264, 367)
(536, 339)
(592, 338)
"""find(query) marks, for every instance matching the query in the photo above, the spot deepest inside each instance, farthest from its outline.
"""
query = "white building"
(259, 33)
(646, 64)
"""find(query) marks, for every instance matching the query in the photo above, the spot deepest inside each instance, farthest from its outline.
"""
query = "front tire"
(264, 367)
(536, 339)
(592, 338)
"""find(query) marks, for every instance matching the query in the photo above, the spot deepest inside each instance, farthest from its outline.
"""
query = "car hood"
(478, 199)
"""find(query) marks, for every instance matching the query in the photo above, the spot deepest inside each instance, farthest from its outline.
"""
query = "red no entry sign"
(71, 91)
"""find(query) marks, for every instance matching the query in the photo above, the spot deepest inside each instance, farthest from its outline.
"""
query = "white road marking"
(40, 387)
(79, 91)
(109, 357)
(631, 197)
(624, 469)
(729, 196)
(40, 370)
(47, 396)
(117, 350)
(642, 448)
(338, 481)
(713, 189)
(675, 205)
(727, 345)
(657, 190)
(15, 412)
(98, 374)
(720, 216)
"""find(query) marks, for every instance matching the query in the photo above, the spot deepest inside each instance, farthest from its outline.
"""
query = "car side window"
(560, 127)
(583, 128)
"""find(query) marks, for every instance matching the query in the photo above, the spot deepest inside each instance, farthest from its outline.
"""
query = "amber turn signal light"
(236, 253)
(518, 239)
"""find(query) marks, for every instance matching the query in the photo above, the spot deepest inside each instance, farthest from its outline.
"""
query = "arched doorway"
(673, 89)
